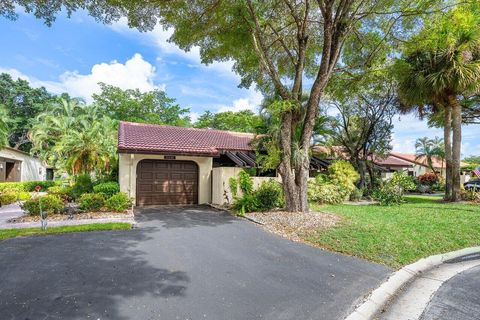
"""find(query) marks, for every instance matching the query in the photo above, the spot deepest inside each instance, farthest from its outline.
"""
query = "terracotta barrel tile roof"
(391, 161)
(138, 137)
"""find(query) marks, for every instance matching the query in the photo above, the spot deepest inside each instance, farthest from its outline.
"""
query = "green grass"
(12, 233)
(399, 235)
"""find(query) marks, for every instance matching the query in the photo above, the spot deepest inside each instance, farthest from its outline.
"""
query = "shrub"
(23, 196)
(44, 185)
(12, 186)
(343, 174)
(118, 202)
(470, 195)
(107, 188)
(50, 204)
(62, 192)
(8, 197)
(323, 193)
(387, 196)
(334, 187)
(91, 201)
(428, 179)
(356, 195)
(245, 182)
(423, 188)
(269, 195)
(83, 184)
(392, 192)
(247, 203)
(233, 184)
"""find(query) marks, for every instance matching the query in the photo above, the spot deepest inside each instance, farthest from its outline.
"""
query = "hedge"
(29, 186)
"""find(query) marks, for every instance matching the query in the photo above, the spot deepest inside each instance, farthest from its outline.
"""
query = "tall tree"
(274, 44)
(442, 65)
(4, 127)
(363, 126)
(241, 121)
(133, 105)
(22, 103)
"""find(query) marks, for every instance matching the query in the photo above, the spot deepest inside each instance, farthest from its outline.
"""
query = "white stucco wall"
(127, 173)
(32, 169)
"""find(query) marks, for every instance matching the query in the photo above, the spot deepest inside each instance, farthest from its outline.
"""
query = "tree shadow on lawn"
(183, 216)
(83, 275)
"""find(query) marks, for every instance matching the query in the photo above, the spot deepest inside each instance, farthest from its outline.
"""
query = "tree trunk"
(361, 168)
(456, 147)
(447, 139)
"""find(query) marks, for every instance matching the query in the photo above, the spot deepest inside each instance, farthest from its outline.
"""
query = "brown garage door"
(161, 182)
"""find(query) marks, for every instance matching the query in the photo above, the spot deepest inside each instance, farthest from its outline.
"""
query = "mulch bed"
(76, 216)
(292, 225)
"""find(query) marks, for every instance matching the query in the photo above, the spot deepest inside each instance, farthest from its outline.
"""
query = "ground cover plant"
(12, 233)
(399, 235)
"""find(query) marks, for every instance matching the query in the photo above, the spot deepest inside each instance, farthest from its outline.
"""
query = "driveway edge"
(379, 297)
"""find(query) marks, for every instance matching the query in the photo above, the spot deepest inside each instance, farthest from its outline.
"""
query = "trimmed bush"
(28, 186)
(118, 202)
(50, 204)
(8, 197)
(83, 184)
(269, 195)
(23, 196)
(428, 179)
(62, 192)
(107, 188)
(91, 202)
(17, 186)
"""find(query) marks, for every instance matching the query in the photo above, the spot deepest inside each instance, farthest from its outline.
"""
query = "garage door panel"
(161, 182)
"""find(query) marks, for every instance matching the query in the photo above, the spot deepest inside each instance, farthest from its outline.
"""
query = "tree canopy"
(153, 107)
(22, 103)
(241, 121)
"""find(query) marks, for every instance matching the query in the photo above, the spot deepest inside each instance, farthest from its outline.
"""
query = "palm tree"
(4, 128)
(76, 138)
(424, 151)
(432, 79)
(429, 149)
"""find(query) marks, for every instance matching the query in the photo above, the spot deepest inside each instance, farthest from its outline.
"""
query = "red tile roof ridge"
(189, 128)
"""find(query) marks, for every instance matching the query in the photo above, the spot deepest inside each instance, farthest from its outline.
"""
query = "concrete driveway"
(180, 263)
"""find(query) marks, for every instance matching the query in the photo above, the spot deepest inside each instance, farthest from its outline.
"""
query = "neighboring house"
(16, 165)
(174, 165)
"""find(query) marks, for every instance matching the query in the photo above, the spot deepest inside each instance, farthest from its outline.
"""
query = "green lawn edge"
(26, 232)
(399, 235)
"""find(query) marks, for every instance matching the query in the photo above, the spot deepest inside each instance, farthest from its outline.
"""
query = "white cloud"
(251, 102)
(135, 73)
(159, 37)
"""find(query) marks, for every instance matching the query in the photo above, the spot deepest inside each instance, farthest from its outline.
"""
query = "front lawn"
(12, 233)
(399, 235)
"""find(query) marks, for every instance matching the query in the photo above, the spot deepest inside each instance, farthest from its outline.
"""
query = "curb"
(379, 297)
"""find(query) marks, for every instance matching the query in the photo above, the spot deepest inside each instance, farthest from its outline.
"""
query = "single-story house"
(17, 165)
(166, 165)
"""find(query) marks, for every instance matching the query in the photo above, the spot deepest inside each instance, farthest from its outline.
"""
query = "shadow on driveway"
(180, 263)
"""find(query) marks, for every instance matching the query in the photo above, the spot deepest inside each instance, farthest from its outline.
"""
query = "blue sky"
(75, 54)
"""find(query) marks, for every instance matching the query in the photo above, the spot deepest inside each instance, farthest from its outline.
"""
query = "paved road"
(180, 263)
(457, 299)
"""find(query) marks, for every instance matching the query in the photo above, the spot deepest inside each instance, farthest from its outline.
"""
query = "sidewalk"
(420, 298)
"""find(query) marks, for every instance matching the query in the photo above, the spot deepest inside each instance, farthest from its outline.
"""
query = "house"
(415, 166)
(16, 165)
(161, 165)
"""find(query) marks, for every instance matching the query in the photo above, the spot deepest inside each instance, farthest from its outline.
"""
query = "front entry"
(165, 182)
